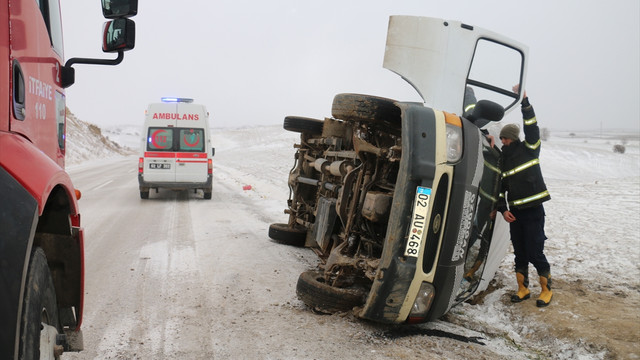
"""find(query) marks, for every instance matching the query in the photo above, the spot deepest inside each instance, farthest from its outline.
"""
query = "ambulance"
(176, 150)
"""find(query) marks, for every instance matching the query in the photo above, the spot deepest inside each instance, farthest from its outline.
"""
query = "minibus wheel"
(322, 297)
(283, 234)
(303, 125)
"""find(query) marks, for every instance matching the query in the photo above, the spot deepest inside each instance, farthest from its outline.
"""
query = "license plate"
(159, 166)
(418, 221)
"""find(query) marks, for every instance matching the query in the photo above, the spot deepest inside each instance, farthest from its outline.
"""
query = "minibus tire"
(144, 194)
(318, 295)
(303, 125)
(365, 108)
(283, 234)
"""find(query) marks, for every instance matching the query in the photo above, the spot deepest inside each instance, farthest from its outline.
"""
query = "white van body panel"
(436, 56)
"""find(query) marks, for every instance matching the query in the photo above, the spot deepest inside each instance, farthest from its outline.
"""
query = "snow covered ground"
(593, 225)
(86, 141)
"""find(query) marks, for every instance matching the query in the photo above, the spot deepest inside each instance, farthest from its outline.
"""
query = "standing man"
(525, 191)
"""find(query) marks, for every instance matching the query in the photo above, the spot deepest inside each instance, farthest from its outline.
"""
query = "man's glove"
(525, 102)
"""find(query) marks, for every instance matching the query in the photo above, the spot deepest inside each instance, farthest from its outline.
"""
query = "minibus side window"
(160, 139)
(191, 140)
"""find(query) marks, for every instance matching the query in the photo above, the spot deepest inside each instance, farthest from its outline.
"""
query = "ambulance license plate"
(159, 166)
(418, 221)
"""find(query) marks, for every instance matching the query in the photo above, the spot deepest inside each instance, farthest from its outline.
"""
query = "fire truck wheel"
(321, 297)
(366, 108)
(39, 322)
(303, 125)
(283, 234)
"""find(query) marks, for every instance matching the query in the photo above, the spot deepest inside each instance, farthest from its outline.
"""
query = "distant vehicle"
(397, 198)
(41, 238)
(176, 148)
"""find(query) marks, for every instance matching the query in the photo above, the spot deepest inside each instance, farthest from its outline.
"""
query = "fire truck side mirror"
(113, 9)
(118, 35)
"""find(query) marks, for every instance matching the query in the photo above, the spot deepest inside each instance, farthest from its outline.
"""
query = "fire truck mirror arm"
(69, 73)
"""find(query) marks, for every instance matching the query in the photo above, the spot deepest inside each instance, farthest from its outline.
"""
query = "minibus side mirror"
(484, 112)
(213, 152)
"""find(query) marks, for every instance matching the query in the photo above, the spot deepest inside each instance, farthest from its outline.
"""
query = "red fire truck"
(41, 238)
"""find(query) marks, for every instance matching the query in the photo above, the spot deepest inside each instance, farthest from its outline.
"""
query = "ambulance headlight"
(422, 304)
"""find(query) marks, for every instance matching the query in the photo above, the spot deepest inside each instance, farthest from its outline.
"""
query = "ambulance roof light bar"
(176, 100)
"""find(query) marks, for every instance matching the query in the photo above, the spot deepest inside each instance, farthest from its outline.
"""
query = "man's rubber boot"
(523, 288)
(545, 294)
(469, 275)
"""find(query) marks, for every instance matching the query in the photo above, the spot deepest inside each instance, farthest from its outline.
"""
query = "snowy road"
(180, 277)
(176, 276)
(140, 256)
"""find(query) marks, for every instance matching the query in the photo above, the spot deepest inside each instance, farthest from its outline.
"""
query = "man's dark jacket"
(522, 180)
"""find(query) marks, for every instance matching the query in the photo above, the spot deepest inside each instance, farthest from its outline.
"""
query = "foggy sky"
(255, 62)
